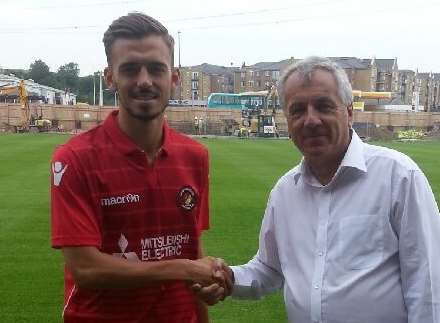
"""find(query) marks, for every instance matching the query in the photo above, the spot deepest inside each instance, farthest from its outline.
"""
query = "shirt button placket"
(321, 246)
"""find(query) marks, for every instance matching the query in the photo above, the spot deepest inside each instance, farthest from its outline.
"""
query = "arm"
(202, 308)
(93, 269)
(419, 242)
(261, 275)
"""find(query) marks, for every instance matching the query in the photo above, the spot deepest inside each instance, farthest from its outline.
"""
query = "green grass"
(242, 174)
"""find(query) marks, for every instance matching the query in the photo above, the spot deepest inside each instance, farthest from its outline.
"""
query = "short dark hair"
(136, 25)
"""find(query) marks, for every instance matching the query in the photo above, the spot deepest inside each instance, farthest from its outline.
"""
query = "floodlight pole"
(94, 89)
(101, 97)
(180, 82)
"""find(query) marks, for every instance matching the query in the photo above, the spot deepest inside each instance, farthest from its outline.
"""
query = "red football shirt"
(104, 194)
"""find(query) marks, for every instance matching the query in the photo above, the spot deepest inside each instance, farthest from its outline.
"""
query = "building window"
(242, 83)
(243, 75)
(257, 73)
(251, 73)
(267, 73)
(195, 75)
(194, 85)
(275, 75)
(259, 83)
(251, 83)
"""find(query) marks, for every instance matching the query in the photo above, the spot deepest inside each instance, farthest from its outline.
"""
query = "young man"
(130, 197)
(352, 233)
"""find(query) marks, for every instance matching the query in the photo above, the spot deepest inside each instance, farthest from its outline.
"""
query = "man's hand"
(205, 272)
(213, 293)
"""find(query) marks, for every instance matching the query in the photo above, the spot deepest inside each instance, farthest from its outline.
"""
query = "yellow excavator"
(27, 122)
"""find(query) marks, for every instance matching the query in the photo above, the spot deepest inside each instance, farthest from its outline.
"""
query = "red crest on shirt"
(186, 198)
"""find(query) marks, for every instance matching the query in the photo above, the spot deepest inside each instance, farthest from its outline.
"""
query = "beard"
(144, 112)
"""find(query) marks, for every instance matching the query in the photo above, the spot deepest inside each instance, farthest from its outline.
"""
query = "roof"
(382, 63)
(270, 66)
(31, 86)
(423, 76)
(436, 76)
(213, 69)
(350, 62)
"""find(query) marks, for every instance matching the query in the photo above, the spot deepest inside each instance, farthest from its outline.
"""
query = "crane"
(20, 91)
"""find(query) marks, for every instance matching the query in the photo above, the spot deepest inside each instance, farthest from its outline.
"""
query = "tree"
(85, 89)
(38, 71)
(68, 76)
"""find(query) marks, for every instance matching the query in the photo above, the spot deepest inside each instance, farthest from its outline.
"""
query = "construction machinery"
(28, 123)
(256, 115)
(358, 104)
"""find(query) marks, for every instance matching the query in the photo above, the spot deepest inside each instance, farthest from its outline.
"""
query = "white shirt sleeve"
(262, 274)
(419, 248)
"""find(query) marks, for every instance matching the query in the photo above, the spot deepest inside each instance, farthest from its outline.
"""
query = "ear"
(175, 77)
(108, 77)
(350, 115)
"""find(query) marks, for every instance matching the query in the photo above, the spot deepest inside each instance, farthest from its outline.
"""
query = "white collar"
(353, 158)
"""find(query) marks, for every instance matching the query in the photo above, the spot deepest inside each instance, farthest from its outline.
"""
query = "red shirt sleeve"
(203, 220)
(74, 216)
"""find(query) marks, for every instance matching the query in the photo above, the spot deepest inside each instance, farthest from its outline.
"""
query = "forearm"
(202, 312)
(93, 269)
(255, 279)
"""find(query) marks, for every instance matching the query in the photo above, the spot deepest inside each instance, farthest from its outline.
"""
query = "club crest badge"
(186, 198)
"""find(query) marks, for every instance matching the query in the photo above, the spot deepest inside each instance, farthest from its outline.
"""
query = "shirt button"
(320, 253)
(316, 286)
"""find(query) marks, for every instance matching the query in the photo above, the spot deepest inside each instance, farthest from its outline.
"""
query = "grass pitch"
(242, 174)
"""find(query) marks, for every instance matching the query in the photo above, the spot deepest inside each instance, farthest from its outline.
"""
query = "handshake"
(211, 279)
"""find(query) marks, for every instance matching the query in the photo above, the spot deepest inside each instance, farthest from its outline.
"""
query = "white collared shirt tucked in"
(363, 249)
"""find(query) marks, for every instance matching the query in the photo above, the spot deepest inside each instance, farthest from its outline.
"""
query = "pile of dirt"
(433, 134)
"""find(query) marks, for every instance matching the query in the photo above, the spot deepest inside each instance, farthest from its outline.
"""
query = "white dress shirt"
(364, 248)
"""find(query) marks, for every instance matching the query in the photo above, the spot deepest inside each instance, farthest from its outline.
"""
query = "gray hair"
(307, 66)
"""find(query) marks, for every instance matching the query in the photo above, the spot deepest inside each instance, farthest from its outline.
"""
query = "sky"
(226, 32)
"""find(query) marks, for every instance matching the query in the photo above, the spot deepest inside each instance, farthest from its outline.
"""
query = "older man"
(352, 233)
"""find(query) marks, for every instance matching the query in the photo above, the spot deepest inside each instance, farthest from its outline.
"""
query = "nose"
(312, 117)
(144, 78)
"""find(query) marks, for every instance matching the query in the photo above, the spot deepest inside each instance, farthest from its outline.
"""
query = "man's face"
(140, 70)
(317, 120)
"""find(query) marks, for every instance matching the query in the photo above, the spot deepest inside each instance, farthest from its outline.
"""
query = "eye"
(130, 69)
(297, 109)
(324, 106)
(157, 69)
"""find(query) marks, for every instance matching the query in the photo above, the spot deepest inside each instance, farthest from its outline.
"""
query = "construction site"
(218, 122)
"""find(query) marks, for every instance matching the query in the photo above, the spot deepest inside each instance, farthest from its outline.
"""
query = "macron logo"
(58, 172)
(124, 199)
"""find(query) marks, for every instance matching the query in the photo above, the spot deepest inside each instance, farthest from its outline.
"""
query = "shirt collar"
(124, 144)
(353, 158)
